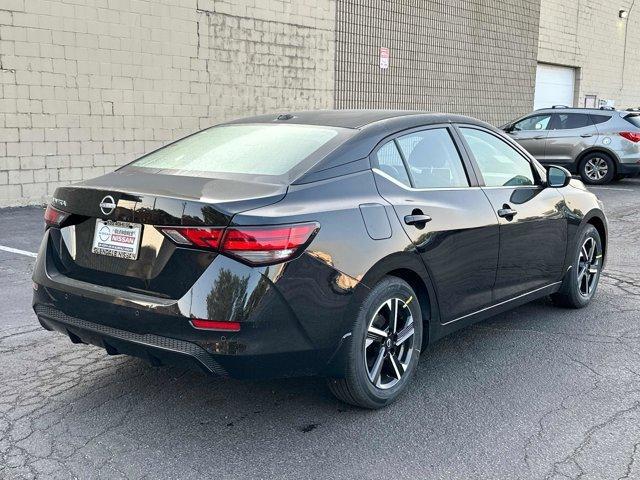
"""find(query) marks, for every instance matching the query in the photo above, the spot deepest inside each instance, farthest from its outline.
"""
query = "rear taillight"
(196, 236)
(54, 217)
(631, 136)
(262, 245)
(254, 245)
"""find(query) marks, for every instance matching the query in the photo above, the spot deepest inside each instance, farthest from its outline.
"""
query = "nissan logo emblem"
(108, 205)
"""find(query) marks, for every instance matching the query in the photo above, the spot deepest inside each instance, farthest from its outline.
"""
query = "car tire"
(374, 361)
(597, 169)
(581, 281)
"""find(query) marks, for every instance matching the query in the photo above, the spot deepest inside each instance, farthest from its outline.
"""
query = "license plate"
(117, 239)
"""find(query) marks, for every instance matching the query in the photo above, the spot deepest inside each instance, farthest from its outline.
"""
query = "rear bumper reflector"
(215, 325)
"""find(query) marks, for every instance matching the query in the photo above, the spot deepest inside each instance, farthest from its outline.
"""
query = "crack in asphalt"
(587, 438)
(547, 414)
(632, 459)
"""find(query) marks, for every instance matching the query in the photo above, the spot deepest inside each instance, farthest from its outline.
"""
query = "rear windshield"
(633, 120)
(252, 149)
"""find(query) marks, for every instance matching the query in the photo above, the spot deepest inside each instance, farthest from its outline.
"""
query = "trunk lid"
(152, 198)
(161, 268)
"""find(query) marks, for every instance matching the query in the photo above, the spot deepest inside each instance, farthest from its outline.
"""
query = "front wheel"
(385, 347)
(581, 282)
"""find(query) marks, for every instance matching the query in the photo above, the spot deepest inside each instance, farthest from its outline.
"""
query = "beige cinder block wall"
(590, 36)
(88, 85)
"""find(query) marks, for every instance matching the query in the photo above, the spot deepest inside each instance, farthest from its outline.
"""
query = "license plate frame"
(117, 239)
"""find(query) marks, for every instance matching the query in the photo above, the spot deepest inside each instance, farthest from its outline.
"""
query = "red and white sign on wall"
(384, 57)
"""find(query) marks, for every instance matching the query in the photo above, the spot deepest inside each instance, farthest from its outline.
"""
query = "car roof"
(358, 118)
(370, 127)
(594, 111)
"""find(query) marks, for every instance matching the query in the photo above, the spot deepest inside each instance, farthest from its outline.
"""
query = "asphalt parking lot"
(538, 392)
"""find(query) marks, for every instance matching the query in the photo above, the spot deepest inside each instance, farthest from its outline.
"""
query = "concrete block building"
(88, 85)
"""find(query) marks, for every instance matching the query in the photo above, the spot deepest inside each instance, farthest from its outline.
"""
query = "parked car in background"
(599, 144)
(335, 243)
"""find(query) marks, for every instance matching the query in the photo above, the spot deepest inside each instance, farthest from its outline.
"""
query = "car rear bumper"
(224, 357)
(629, 169)
(156, 349)
(290, 324)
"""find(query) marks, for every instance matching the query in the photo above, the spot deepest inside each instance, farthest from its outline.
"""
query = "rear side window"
(596, 119)
(390, 162)
(567, 121)
(500, 164)
(255, 149)
(433, 159)
(633, 120)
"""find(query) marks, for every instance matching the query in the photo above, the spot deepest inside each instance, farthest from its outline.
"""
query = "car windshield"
(253, 149)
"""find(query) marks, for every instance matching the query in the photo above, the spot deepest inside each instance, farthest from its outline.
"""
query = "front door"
(445, 214)
(531, 133)
(569, 135)
(533, 228)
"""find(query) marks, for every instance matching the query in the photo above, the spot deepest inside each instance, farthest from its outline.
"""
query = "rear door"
(531, 133)
(569, 135)
(533, 228)
(445, 214)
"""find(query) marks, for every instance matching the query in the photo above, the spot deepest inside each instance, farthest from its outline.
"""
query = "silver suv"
(601, 145)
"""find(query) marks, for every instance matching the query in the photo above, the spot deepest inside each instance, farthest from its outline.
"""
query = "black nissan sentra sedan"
(333, 243)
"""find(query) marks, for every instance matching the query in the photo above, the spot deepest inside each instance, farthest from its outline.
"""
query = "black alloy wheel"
(581, 281)
(384, 346)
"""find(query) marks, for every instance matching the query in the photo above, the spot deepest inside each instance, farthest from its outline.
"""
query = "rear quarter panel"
(609, 140)
(326, 286)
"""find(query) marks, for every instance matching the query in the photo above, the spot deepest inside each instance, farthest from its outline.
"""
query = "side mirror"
(508, 128)
(558, 177)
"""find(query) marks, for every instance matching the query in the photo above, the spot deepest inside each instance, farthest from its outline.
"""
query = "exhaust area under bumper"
(156, 349)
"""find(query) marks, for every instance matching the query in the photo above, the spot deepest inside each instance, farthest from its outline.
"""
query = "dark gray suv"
(601, 145)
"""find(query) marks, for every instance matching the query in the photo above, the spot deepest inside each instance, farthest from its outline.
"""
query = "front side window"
(253, 149)
(568, 121)
(500, 163)
(390, 162)
(537, 122)
(433, 159)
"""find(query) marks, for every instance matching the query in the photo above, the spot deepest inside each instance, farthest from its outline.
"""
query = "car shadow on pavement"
(298, 404)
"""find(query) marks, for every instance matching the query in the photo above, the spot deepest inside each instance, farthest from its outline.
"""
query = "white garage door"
(554, 86)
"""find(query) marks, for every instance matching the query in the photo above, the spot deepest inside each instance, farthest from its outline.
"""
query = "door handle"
(586, 135)
(507, 212)
(416, 219)
(539, 137)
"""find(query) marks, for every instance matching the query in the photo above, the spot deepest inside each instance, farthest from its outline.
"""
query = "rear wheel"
(597, 168)
(385, 347)
(581, 282)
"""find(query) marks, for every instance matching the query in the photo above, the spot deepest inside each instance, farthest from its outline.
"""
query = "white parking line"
(612, 188)
(18, 251)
